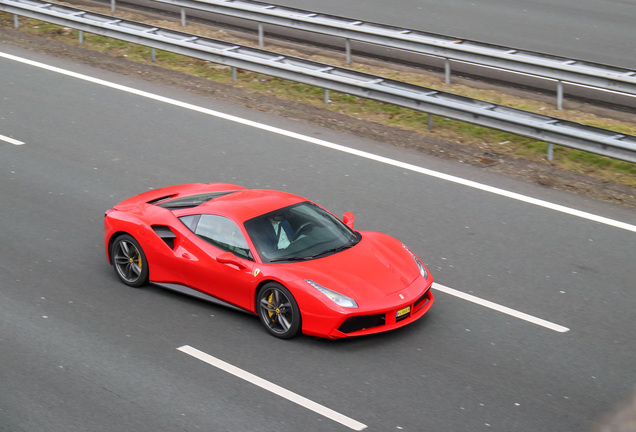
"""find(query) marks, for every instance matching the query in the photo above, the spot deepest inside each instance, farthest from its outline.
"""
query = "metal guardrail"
(535, 126)
(560, 69)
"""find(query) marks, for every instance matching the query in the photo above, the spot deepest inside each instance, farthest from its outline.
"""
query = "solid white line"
(264, 384)
(10, 140)
(500, 308)
(333, 146)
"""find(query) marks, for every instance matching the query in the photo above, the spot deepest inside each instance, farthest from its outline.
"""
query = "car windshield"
(300, 232)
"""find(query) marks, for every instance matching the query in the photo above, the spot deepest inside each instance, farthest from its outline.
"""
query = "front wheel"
(278, 311)
(129, 261)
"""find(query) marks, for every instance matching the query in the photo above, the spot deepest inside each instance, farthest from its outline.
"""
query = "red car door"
(215, 260)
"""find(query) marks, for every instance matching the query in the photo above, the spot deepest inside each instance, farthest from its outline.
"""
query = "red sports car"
(269, 253)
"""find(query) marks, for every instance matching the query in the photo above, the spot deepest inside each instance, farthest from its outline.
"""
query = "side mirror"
(348, 218)
(231, 259)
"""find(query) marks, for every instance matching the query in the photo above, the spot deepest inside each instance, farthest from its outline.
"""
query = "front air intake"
(358, 323)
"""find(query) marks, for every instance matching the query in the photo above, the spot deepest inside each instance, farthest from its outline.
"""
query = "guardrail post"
(80, 36)
(260, 35)
(550, 152)
(430, 121)
(327, 96)
(183, 17)
(559, 95)
(153, 55)
(16, 23)
(348, 50)
(112, 5)
(447, 71)
(233, 73)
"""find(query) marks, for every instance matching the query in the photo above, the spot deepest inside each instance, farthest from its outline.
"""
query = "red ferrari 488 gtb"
(269, 253)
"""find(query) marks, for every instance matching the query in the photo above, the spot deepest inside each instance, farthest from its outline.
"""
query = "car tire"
(278, 311)
(129, 261)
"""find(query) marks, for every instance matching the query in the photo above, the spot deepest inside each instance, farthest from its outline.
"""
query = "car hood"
(377, 266)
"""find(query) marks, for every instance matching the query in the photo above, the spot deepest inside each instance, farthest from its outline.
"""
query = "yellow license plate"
(403, 312)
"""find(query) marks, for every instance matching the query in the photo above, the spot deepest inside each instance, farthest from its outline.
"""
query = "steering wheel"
(304, 227)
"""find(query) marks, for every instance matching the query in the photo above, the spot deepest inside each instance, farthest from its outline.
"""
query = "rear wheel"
(129, 261)
(278, 311)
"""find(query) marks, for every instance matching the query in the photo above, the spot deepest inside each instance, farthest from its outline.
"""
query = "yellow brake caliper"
(132, 260)
(270, 299)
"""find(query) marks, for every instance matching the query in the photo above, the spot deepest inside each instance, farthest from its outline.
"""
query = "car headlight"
(336, 297)
(420, 266)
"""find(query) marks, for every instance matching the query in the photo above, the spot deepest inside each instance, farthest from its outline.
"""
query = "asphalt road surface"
(79, 351)
(601, 31)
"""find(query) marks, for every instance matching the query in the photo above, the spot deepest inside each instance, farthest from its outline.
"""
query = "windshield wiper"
(332, 250)
(319, 254)
(291, 258)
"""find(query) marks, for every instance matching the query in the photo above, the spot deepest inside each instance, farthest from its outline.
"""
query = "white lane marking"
(333, 146)
(10, 140)
(264, 384)
(500, 308)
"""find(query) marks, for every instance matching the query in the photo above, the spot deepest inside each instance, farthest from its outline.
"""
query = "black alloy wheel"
(129, 261)
(278, 311)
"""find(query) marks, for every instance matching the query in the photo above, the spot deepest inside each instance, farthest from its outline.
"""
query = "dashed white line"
(271, 387)
(10, 140)
(500, 308)
(333, 146)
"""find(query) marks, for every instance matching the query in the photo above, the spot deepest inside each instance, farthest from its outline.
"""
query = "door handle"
(228, 258)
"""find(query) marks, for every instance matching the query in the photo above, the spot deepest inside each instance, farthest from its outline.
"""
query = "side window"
(190, 221)
(223, 233)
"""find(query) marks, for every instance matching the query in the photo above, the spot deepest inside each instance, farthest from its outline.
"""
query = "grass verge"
(491, 142)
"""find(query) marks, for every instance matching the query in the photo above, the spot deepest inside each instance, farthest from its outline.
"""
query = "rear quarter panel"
(138, 222)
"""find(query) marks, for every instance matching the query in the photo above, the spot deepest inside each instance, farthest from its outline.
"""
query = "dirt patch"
(539, 173)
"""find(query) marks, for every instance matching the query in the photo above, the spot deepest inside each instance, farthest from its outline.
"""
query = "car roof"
(245, 204)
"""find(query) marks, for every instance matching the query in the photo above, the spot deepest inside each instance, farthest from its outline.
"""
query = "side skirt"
(198, 294)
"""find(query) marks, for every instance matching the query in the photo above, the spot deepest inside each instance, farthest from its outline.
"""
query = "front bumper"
(387, 320)
(418, 299)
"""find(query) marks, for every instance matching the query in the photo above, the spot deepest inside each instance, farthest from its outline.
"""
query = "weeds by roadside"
(494, 144)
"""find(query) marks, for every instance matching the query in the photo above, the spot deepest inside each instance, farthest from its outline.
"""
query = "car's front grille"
(357, 323)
